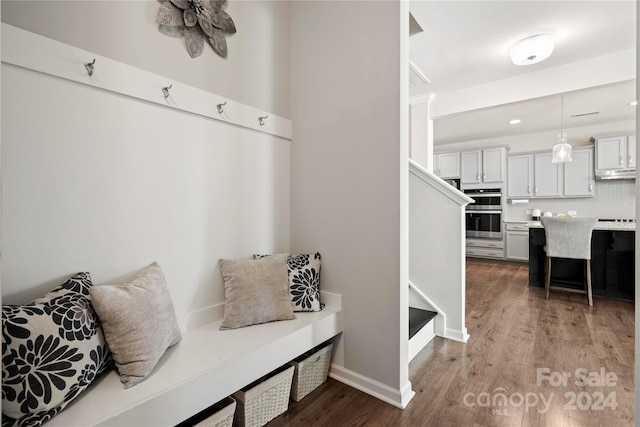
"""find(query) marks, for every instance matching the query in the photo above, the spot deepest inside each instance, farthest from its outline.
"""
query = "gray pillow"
(139, 322)
(304, 280)
(256, 291)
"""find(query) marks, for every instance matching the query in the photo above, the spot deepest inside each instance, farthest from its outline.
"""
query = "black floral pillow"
(304, 281)
(52, 349)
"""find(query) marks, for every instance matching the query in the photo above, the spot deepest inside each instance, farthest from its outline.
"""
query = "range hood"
(604, 174)
(615, 155)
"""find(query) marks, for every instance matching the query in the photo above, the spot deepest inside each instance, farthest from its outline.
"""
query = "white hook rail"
(38, 53)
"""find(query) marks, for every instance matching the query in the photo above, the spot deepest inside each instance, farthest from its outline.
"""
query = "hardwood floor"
(514, 333)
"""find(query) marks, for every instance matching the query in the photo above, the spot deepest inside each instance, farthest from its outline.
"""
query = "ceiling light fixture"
(633, 103)
(532, 49)
(562, 150)
(514, 121)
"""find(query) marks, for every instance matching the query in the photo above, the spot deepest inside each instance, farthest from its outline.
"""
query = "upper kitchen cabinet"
(532, 175)
(520, 175)
(547, 176)
(483, 167)
(578, 174)
(447, 165)
(615, 156)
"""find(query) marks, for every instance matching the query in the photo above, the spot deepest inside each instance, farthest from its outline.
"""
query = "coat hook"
(261, 120)
(220, 110)
(89, 67)
(165, 90)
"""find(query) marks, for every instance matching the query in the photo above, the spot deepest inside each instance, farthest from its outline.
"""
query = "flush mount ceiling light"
(532, 49)
(514, 121)
(562, 150)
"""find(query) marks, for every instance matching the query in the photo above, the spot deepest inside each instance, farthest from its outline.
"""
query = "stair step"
(418, 318)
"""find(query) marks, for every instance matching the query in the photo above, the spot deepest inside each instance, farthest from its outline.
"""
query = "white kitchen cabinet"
(471, 171)
(517, 241)
(579, 176)
(482, 167)
(532, 175)
(485, 248)
(616, 153)
(520, 176)
(547, 180)
(631, 151)
(447, 165)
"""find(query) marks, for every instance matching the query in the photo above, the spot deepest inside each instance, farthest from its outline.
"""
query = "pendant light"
(562, 150)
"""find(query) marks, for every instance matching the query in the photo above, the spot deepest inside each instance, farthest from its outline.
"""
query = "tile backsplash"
(613, 199)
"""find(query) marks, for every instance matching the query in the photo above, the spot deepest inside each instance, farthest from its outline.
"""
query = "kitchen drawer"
(483, 243)
(485, 252)
(514, 226)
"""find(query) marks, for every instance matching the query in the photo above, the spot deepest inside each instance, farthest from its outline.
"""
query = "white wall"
(349, 172)
(421, 132)
(577, 136)
(99, 182)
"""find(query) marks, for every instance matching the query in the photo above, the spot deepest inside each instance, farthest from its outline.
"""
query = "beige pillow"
(256, 291)
(139, 322)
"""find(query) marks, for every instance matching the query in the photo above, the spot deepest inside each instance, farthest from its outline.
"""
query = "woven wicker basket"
(218, 415)
(265, 399)
(223, 417)
(311, 370)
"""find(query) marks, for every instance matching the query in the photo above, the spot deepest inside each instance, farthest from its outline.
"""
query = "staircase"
(419, 318)
(436, 277)
(421, 329)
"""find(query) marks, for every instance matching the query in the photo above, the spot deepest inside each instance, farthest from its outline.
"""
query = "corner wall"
(349, 177)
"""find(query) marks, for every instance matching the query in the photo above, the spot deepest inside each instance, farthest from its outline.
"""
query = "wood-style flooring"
(514, 333)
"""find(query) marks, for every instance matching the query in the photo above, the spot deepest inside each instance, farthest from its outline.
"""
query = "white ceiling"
(466, 44)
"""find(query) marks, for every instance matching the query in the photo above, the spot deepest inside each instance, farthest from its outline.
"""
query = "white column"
(421, 131)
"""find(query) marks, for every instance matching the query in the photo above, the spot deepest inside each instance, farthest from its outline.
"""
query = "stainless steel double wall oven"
(484, 217)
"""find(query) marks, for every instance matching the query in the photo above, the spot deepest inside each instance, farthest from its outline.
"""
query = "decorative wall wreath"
(197, 20)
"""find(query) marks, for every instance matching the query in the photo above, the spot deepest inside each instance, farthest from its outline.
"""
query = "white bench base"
(205, 367)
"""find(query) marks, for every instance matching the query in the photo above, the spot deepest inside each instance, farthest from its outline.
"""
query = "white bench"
(205, 367)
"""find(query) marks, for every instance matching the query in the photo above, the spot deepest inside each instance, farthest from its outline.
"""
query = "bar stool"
(569, 238)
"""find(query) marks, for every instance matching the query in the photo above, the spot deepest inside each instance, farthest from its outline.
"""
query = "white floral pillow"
(52, 349)
(304, 281)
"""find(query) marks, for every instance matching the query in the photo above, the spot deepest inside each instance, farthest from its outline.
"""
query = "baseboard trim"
(397, 397)
(457, 335)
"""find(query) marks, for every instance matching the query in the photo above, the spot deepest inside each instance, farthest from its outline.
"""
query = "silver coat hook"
(165, 90)
(262, 119)
(89, 67)
(220, 109)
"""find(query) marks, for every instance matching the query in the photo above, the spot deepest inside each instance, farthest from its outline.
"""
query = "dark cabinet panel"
(612, 263)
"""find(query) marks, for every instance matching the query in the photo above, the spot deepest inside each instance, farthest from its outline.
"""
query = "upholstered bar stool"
(569, 238)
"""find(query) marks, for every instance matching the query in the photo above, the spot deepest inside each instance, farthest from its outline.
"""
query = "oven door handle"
(482, 212)
(479, 195)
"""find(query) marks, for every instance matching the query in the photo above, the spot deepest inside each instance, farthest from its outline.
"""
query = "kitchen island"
(612, 260)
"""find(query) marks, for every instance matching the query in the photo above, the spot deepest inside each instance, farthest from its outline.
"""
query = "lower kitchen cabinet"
(485, 248)
(516, 241)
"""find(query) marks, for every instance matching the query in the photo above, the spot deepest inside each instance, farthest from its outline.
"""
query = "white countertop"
(602, 225)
